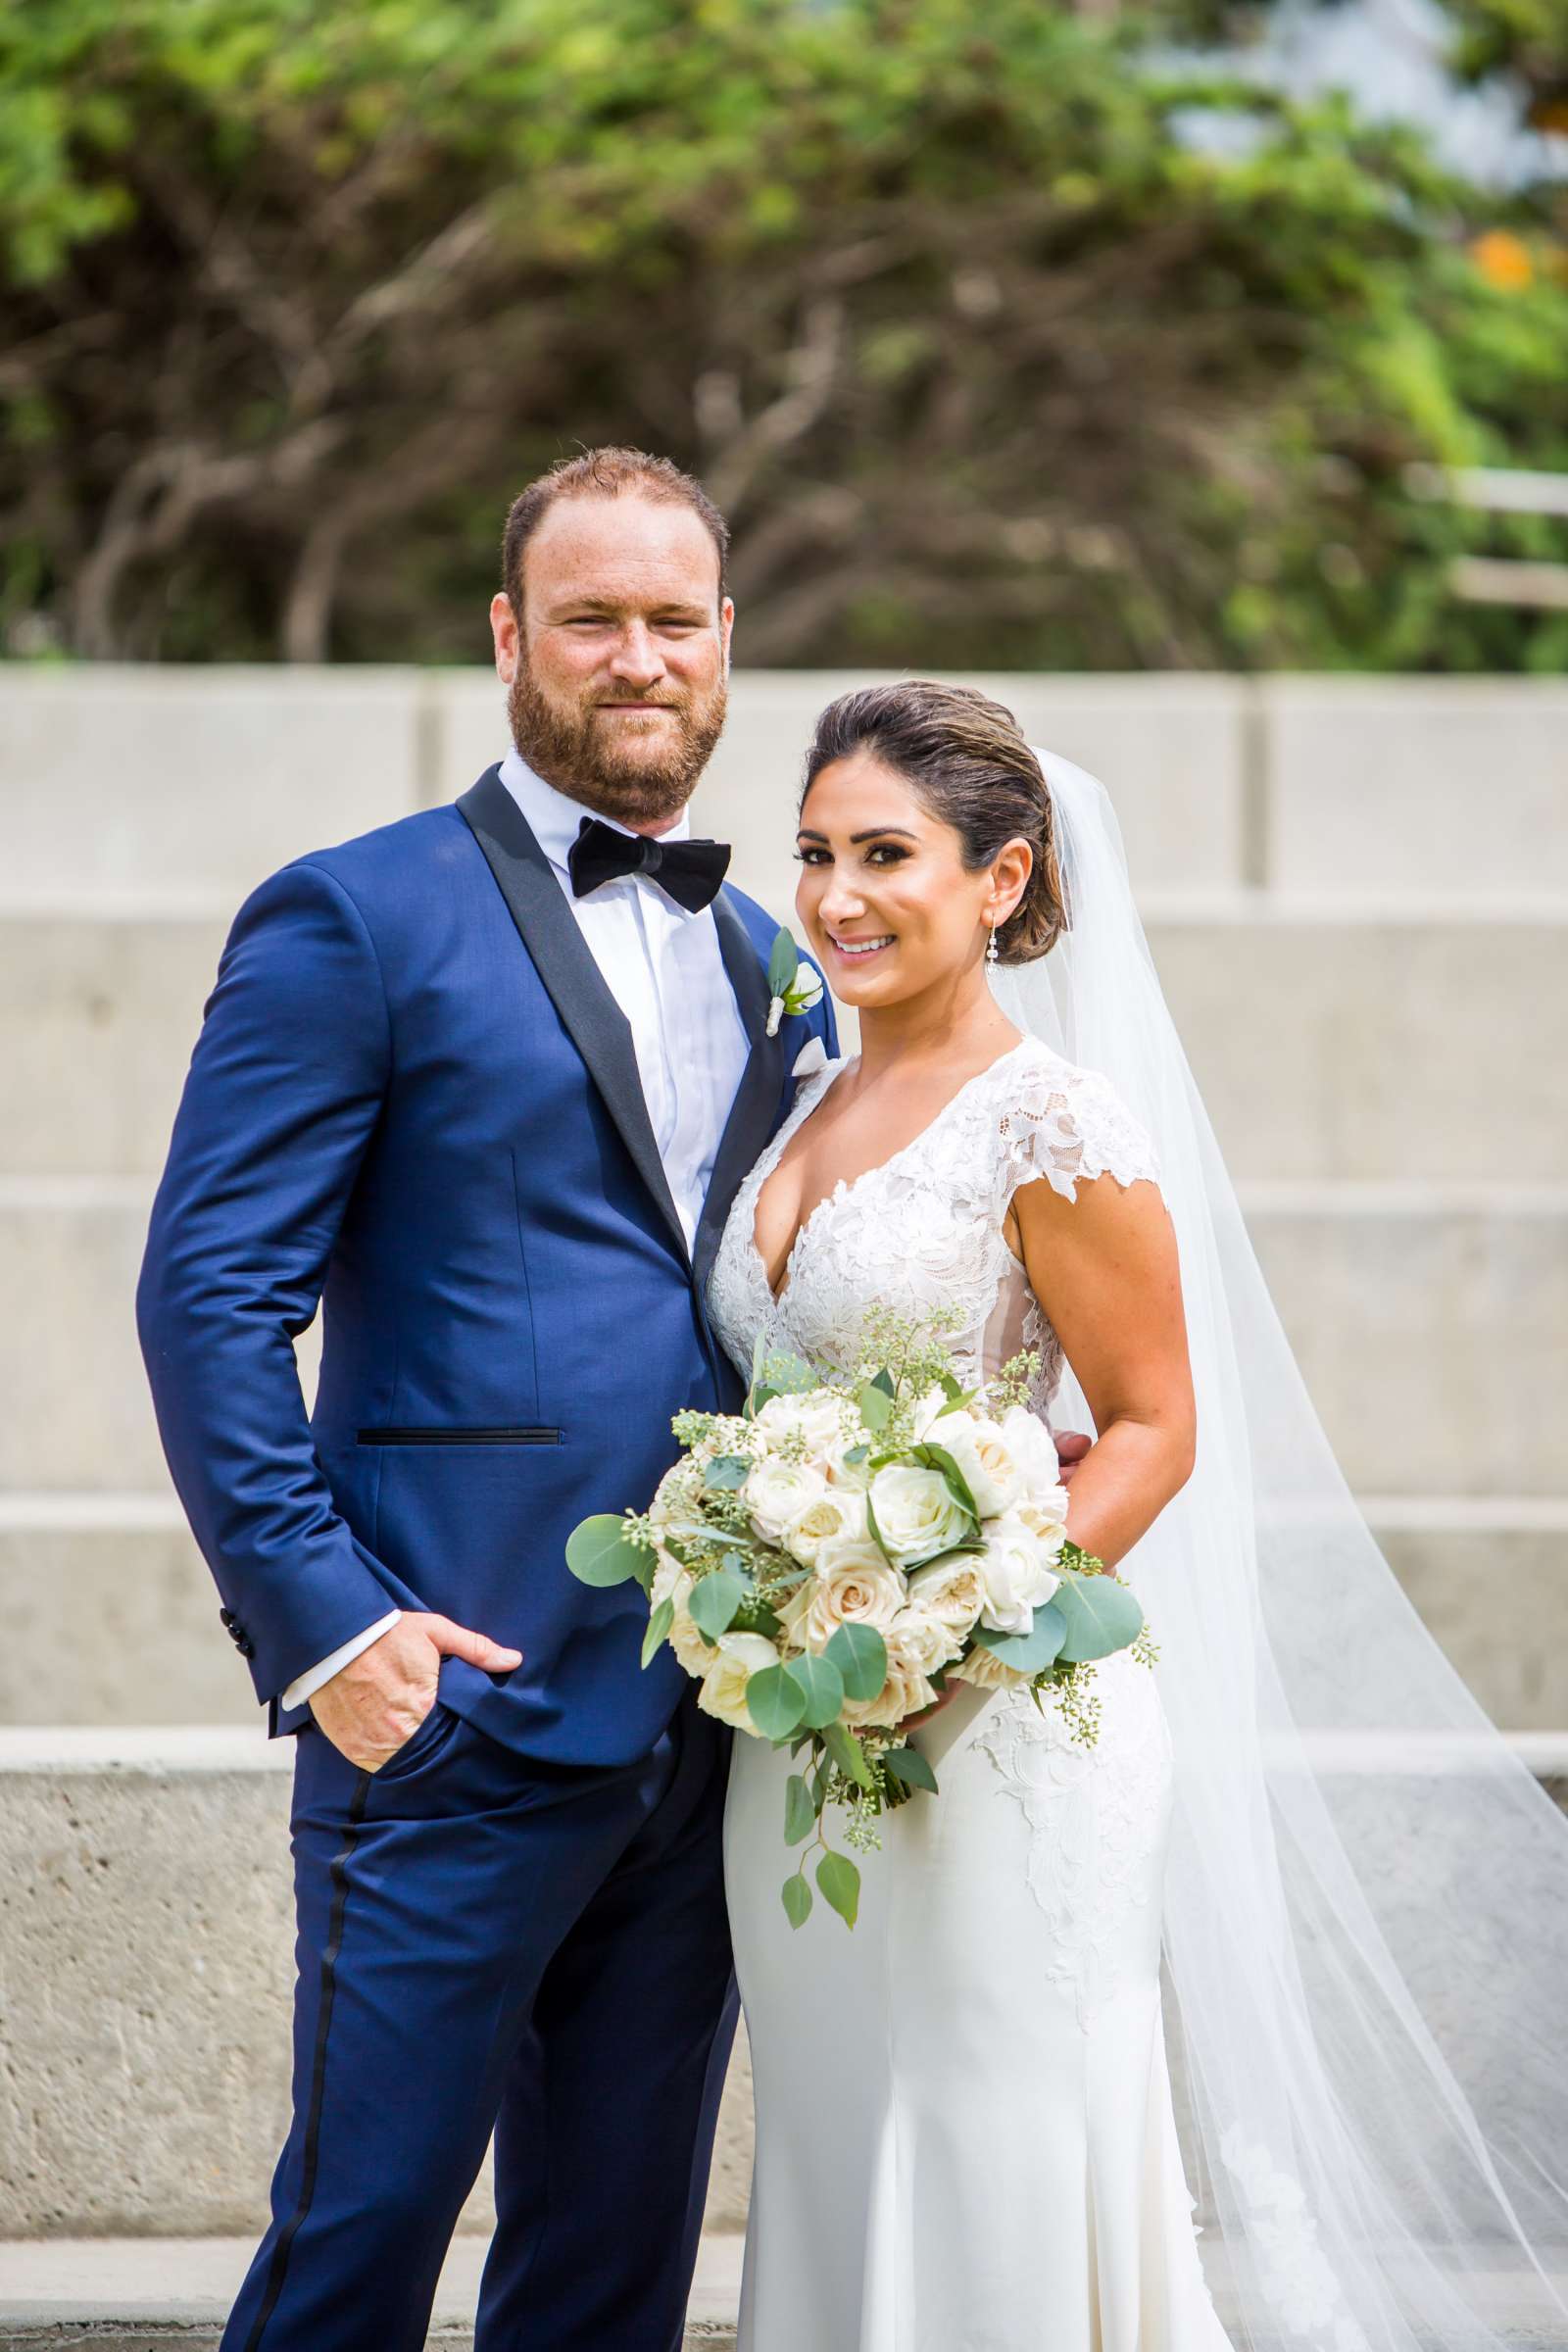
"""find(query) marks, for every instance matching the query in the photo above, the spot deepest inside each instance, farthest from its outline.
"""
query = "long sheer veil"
(1367, 1901)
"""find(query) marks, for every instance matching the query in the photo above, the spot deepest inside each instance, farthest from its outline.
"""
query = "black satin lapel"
(755, 1109)
(564, 961)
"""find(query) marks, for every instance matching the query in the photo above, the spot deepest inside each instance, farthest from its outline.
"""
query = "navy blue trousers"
(491, 1944)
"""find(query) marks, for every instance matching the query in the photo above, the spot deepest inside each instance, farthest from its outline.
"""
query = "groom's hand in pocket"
(375, 1703)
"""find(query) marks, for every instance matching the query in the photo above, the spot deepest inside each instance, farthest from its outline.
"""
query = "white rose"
(673, 1498)
(953, 1593)
(851, 1589)
(852, 1477)
(987, 1672)
(1034, 1450)
(905, 1693)
(1016, 1576)
(930, 1409)
(776, 1492)
(984, 1462)
(915, 1514)
(822, 1420)
(921, 1643)
(732, 1665)
(837, 1513)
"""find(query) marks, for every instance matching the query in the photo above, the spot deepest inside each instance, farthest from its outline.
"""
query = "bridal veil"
(1366, 1928)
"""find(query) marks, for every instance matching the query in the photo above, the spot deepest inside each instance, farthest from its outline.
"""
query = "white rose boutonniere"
(790, 991)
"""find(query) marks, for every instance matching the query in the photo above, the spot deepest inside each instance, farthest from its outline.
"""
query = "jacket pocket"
(458, 1437)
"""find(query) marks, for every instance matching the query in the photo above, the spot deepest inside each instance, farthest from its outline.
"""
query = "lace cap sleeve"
(1069, 1125)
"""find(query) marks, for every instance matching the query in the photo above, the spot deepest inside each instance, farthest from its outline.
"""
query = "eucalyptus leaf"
(885, 1381)
(599, 1553)
(1028, 1652)
(727, 1472)
(907, 1764)
(937, 1457)
(1100, 1616)
(859, 1454)
(847, 1754)
(876, 1407)
(658, 1625)
(796, 1900)
(840, 1882)
(714, 1602)
(860, 1655)
(800, 1814)
(783, 964)
(774, 1704)
(821, 1688)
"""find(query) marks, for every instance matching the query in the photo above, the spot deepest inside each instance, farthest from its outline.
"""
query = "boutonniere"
(791, 991)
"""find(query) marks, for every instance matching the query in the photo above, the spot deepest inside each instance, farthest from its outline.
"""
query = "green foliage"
(860, 1655)
(988, 363)
(599, 1553)
(840, 1883)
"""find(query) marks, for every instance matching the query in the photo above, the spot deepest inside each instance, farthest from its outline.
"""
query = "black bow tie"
(690, 870)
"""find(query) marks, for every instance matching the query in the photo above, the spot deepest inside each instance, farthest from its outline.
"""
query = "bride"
(966, 2132)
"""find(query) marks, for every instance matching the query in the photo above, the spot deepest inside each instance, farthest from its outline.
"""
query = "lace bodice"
(925, 1230)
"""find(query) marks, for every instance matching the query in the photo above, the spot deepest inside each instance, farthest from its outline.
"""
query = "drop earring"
(990, 944)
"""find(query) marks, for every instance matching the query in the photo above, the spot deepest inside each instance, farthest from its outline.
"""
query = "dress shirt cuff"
(305, 1685)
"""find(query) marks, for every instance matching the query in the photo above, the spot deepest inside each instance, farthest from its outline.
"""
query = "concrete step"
(144, 2036)
(1431, 1321)
(110, 1615)
(124, 2295)
(117, 779)
(1329, 1045)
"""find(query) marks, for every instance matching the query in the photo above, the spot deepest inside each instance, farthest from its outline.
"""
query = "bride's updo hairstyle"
(964, 758)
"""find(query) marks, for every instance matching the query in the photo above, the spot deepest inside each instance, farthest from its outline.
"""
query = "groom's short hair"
(604, 474)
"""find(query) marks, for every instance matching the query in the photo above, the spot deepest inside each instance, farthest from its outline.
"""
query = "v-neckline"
(845, 1185)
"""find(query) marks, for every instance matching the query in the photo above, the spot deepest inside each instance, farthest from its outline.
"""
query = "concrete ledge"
(146, 1974)
(112, 1618)
(1328, 1043)
(1428, 1319)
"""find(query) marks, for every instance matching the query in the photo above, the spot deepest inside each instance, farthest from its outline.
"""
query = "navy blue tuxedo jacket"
(415, 1101)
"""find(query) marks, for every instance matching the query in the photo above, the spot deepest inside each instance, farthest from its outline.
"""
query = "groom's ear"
(507, 636)
(726, 628)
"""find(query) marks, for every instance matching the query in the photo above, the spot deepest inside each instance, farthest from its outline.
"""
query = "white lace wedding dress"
(965, 2135)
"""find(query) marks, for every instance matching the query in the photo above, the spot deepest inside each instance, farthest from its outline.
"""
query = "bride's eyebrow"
(876, 833)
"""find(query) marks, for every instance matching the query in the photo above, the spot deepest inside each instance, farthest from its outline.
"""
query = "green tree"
(990, 361)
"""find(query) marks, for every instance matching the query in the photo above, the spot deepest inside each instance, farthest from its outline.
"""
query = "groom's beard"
(578, 751)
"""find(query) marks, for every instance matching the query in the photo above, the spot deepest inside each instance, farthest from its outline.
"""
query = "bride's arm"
(1104, 1267)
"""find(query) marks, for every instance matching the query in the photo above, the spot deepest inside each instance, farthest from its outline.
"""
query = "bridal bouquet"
(826, 1560)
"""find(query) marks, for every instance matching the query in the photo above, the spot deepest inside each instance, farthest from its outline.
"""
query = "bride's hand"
(1071, 1446)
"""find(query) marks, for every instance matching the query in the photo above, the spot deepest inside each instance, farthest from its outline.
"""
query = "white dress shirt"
(665, 969)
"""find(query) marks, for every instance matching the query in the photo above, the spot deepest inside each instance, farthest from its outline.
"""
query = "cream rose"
(1016, 1576)
(915, 1515)
(849, 1588)
(984, 1461)
(905, 1693)
(953, 1593)
(920, 1643)
(1046, 1518)
(837, 1513)
(733, 1663)
(674, 1584)
(777, 1491)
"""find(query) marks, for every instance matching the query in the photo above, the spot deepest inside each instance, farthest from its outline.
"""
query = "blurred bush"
(1003, 336)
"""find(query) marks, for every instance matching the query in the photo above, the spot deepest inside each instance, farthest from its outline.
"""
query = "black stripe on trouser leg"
(312, 2118)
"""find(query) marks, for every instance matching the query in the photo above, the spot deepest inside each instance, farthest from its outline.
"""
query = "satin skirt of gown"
(964, 2133)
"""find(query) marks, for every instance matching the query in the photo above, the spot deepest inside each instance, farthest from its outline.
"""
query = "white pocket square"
(811, 1057)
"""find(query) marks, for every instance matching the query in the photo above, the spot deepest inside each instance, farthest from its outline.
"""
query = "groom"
(484, 1083)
